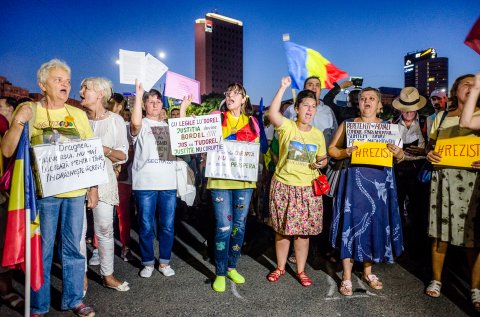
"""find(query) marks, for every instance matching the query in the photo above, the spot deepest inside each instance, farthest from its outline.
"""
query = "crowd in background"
(371, 214)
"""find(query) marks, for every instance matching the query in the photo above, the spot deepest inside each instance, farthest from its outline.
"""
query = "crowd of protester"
(377, 213)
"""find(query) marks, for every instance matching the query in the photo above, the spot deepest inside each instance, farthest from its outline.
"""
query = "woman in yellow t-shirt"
(294, 209)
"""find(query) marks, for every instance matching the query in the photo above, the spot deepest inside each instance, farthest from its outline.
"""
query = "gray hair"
(45, 69)
(99, 84)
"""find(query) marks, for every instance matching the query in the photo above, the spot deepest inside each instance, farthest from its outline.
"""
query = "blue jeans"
(159, 205)
(70, 212)
(231, 210)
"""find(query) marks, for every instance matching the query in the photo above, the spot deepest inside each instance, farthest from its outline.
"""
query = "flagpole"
(27, 262)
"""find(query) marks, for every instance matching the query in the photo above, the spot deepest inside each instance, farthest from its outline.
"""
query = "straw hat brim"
(402, 107)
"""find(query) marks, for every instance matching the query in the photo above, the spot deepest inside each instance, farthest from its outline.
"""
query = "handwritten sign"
(178, 86)
(70, 166)
(195, 135)
(458, 152)
(373, 132)
(372, 153)
(237, 161)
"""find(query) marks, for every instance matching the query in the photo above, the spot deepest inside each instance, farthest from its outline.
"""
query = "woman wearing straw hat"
(415, 219)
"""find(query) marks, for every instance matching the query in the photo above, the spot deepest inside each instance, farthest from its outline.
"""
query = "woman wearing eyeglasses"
(154, 180)
(231, 198)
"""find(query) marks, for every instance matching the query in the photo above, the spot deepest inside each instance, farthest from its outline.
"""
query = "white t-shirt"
(154, 166)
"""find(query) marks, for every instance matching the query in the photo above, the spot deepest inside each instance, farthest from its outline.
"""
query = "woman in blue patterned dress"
(366, 221)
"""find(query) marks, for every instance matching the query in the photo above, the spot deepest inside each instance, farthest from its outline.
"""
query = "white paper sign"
(373, 132)
(135, 65)
(178, 86)
(237, 161)
(70, 166)
(195, 135)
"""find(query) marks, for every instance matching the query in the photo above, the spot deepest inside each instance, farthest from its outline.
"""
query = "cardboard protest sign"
(70, 166)
(178, 86)
(372, 153)
(373, 132)
(458, 152)
(195, 135)
(237, 161)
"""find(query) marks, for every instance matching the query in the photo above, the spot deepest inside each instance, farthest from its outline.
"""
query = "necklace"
(234, 128)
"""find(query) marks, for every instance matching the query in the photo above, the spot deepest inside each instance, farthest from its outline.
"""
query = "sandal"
(476, 298)
(13, 300)
(83, 310)
(373, 281)
(346, 288)
(433, 289)
(275, 275)
(304, 279)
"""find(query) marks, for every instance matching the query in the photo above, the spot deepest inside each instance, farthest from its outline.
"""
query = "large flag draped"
(473, 38)
(22, 198)
(304, 62)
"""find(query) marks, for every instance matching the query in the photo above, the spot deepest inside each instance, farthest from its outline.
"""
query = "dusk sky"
(364, 38)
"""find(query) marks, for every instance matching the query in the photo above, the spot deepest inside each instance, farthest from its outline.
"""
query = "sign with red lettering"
(372, 153)
(458, 152)
(237, 161)
(195, 134)
(382, 132)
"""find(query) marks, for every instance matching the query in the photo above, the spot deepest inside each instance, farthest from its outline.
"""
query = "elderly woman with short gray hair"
(95, 93)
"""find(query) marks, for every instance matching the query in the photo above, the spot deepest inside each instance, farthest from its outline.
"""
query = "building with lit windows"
(218, 52)
(425, 71)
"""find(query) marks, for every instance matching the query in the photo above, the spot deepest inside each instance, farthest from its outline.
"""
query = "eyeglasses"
(229, 94)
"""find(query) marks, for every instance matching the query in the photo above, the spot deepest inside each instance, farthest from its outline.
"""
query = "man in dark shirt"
(343, 113)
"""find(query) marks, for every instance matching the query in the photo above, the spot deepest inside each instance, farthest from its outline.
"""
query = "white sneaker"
(147, 271)
(167, 270)
(95, 259)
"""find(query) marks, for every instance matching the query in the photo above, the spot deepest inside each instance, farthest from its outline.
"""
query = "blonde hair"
(99, 84)
(45, 69)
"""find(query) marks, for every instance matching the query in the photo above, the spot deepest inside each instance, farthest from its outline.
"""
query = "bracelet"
(109, 152)
(20, 123)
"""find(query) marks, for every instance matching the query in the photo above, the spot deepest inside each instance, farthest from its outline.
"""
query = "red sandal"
(304, 279)
(275, 275)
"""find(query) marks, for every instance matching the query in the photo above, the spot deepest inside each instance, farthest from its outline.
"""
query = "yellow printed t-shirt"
(297, 150)
(69, 123)
(241, 132)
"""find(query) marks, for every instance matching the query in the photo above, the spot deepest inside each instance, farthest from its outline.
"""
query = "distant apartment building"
(218, 52)
(7, 89)
(425, 71)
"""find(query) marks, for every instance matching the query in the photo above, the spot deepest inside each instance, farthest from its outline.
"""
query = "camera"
(357, 81)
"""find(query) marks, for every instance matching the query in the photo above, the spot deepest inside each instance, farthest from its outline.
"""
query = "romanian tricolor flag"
(22, 199)
(304, 62)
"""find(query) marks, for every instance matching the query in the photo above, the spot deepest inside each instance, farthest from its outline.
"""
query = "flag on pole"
(263, 136)
(473, 38)
(304, 62)
(22, 202)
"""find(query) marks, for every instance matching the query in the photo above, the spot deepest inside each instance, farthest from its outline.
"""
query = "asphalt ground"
(189, 292)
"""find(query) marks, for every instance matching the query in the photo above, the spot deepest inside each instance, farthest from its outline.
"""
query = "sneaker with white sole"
(147, 271)
(95, 259)
(167, 270)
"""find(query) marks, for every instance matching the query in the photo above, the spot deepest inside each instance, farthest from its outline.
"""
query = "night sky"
(364, 38)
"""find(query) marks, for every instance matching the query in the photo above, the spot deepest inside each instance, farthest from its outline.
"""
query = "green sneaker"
(235, 277)
(219, 284)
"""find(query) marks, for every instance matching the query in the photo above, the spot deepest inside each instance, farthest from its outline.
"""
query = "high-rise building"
(218, 52)
(425, 71)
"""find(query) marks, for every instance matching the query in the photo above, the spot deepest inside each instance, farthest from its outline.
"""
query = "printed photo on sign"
(296, 151)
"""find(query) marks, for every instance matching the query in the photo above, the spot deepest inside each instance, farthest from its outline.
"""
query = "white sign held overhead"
(135, 65)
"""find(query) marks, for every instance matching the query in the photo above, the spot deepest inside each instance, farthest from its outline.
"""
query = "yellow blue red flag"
(23, 199)
(304, 62)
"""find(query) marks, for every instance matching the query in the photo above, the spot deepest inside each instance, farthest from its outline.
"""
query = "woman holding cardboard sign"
(295, 210)
(366, 223)
(49, 120)
(456, 187)
(95, 94)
